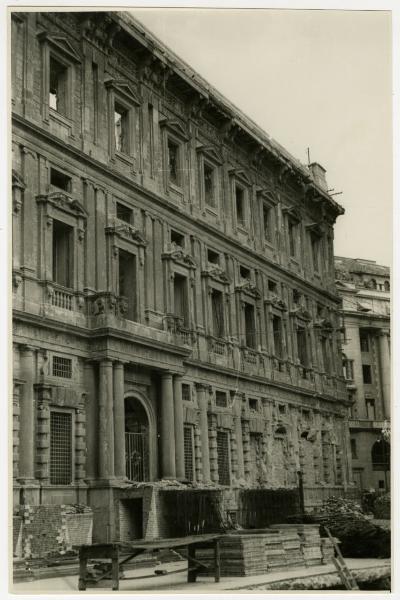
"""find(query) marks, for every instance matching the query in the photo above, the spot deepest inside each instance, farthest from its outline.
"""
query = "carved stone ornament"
(276, 302)
(64, 202)
(217, 273)
(302, 312)
(103, 303)
(100, 29)
(178, 255)
(323, 324)
(16, 280)
(128, 232)
(250, 288)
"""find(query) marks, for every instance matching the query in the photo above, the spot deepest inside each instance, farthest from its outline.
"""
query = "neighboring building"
(365, 290)
(175, 311)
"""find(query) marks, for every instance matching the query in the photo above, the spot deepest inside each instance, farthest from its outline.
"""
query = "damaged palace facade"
(175, 313)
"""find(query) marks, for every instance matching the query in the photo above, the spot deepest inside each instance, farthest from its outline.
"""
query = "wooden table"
(115, 550)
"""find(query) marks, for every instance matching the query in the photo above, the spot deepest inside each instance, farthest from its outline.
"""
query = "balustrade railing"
(62, 299)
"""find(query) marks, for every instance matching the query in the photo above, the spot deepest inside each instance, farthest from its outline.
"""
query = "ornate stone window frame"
(207, 156)
(120, 91)
(240, 180)
(123, 236)
(267, 199)
(293, 217)
(316, 233)
(172, 130)
(59, 48)
(60, 206)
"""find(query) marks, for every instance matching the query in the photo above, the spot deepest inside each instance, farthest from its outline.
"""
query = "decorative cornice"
(126, 231)
(63, 201)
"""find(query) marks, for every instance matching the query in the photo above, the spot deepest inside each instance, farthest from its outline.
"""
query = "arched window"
(380, 455)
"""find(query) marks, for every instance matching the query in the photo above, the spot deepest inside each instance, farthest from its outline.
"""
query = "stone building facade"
(364, 288)
(174, 304)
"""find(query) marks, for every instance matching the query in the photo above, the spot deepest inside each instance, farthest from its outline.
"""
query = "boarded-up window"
(224, 477)
(60, 448)
(217, 308)
(188, 446)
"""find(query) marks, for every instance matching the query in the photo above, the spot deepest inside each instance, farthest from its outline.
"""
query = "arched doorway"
(136, 440)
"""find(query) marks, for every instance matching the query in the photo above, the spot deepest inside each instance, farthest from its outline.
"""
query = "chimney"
(318, 174)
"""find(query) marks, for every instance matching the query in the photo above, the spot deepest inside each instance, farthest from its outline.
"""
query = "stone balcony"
(367, 424)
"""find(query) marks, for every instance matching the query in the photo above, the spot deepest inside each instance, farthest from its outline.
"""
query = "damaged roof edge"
(135, 28)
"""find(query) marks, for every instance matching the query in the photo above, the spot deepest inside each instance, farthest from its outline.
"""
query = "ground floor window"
(223, 450)
(188, 445)
(60, 448)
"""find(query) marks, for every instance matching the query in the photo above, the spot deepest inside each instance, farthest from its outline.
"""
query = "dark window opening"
(180, 298)
(325, 354)
(292, 230)
(177, 238)
(267, 222)
(217, 310)
(380, 455)
(296, 296)
(244, 272)
(60, 180)
(353, 446)
(277, 334)
(62, 367)
(186, 392)
(62, 253)
(209, 191)
(127, 282)
(253, 404)
(173, 162)
(364, 341)
(60, 448)
(367, 373)
(213, 257)
(124, 213)
(315, 250)
(240, 208)
(121, 128)
(188, 447)
(221, 399)
(302, 346)
(282, 409)
(58, 91)
(249, 325)
(370, 409)
(272, 286)
(224, 477)
(386, 286)
(381, 484)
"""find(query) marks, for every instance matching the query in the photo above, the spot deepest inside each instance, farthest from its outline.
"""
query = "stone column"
(384, 359)
(119, 421)
(106, 420)
(178, 418)
(27, 417)
(205, 448)
(16, 426)
(239, 436)
(167, 427)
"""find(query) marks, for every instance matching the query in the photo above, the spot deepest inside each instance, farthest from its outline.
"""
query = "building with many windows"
(365, 290)
(174, 304)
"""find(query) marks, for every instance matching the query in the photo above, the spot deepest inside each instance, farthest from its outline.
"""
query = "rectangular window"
(121, 128)
(370, 409)
(367, 373)
(267, 222)
(188, 447)
(180, 298)
(58, 90)
(302, 346)
(244, 273)
(240, 206)
(124, 213)
(62, 367)
(223, 451)
(364, 341)
(325, 354)
(272, 286)
(177, 238)
(60, 180)
(212, 257)
(62, 253)
(186, 392)
(217, 310)
(253, 404)
(292, 230)
(209, 185)
(221, 399)
(60, 448)
(127, 282)
(173, 162)
(353, 445)
(277, 334)
(249, 325)
(315, 250)
(151, 138)
(348, 370)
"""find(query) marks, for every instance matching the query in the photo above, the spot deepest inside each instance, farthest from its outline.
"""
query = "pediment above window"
(61, 44)
(178, 255)
(217, 274)
(316, 229)
(249, 288)
(127, 232)
(210, 153)
(124, 89)
(64, 202)
(17, 180)
(301, 312)
(175, 128)
(240, 175)
(293, 212)
(268, 195)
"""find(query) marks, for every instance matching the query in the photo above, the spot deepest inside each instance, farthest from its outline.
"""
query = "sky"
(318, 79)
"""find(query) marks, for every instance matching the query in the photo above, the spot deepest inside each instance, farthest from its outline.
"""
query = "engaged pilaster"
(167, 427)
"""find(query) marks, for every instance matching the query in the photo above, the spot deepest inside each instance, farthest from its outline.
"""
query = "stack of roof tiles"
(240, 555)
(291, 544)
